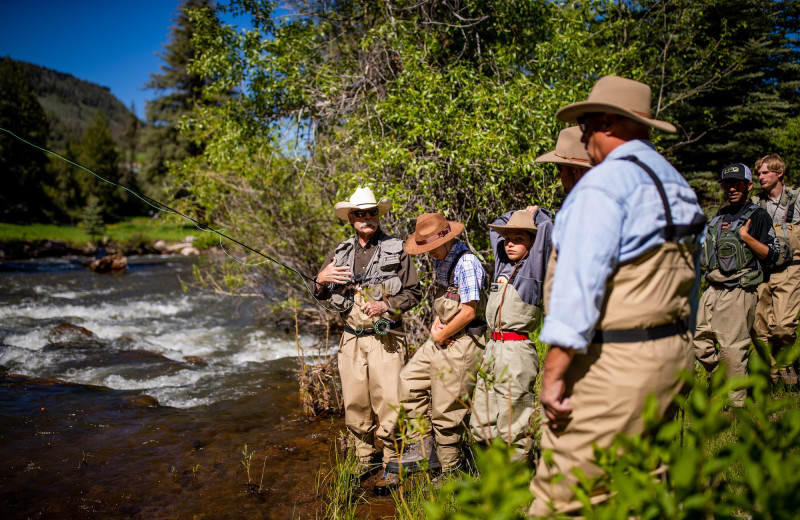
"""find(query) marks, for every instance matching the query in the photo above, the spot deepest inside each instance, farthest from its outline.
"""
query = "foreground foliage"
(709, 462)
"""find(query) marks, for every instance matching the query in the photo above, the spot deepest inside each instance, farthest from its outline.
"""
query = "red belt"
(509, 335)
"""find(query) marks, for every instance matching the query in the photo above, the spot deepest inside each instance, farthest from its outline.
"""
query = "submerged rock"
(66, 331)
(141, 401)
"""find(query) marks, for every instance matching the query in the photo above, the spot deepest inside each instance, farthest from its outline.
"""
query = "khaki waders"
(504, 400)
(609, 384)
(443, 379)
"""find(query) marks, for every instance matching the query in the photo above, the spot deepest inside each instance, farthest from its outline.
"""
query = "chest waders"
(379, 281)
(447, 303)
(647, 297)
(509, 317)
(787, 233)
(725, 256)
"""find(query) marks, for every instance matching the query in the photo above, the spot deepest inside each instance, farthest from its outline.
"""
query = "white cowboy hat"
(569, 151)
(362, 198)
(615, 95)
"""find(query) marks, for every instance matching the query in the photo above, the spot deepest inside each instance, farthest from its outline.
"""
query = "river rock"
(161, 245)
(69, 330)
(113, 263)
(189, 251)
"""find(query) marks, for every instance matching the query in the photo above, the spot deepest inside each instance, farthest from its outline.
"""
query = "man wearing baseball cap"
(618, 294)
(737, 256)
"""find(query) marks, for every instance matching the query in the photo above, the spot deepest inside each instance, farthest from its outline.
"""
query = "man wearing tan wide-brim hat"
(441, 374)
(371, 281)
(621, 292)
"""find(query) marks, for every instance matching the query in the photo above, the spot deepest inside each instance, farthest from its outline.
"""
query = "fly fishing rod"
(382, 326)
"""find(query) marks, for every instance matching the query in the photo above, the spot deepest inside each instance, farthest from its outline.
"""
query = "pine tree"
(22, 168)
(99, 154)
(181, 90)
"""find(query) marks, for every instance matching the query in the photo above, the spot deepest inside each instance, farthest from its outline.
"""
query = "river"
(141, 408)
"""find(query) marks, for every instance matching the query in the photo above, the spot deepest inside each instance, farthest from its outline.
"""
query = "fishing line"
(160, 206)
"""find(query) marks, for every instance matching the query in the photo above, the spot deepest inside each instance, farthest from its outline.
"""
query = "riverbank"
(133, 236)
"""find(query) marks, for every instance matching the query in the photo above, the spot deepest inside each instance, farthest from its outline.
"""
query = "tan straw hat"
(432, 231)
(615, 95)
(569, 150)
(520, 220)
(362, 198)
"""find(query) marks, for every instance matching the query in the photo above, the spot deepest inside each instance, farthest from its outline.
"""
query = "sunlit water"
(80, 439)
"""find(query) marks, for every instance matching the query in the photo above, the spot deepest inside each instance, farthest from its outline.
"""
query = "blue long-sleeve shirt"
(613, 214)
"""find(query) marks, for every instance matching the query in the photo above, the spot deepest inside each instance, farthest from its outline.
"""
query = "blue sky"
(113, 43)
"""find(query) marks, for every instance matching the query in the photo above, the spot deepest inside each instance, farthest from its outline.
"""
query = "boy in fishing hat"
(504, 399)
(371, 281)
(441, 374)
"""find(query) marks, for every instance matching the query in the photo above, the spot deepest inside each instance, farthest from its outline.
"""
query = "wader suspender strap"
(671, 231)
(477, 326)
(453, 266)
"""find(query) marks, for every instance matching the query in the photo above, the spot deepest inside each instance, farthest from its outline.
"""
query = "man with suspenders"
(620, 290)
(779, 298)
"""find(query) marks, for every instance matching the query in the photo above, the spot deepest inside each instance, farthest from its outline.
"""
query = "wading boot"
(417, 456)
(387, 483)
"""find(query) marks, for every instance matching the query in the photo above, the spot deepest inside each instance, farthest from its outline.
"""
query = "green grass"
(130, 231)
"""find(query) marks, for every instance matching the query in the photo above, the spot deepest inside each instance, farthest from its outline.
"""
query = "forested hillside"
(83, 122)
(70, 104)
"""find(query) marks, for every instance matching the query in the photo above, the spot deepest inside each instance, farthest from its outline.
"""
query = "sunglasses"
(585, 117)
(361, 213)
(736, 184)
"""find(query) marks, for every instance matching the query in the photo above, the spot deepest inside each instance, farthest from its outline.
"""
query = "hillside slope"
(70, 104)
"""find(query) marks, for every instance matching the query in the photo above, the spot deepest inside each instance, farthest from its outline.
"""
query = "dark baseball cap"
(736, 172)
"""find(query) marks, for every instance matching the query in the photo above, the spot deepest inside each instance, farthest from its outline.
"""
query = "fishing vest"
(507, 311)
(786, 232)
(380, 280)
(647, 297)
(725, 256)
(447, 303)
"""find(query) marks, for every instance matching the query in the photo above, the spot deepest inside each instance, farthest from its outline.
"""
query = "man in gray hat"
(737, 255)
(618, 295)
(371, 281)
(569, 156)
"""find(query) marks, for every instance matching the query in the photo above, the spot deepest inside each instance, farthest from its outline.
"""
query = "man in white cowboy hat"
(569, 156)
(621, 293)
(504, 399)
(371, 281)
(441, 374)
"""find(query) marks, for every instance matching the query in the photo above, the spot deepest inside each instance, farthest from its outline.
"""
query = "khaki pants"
(442, 379)
(725, 316)
(502, 407)
(369, 367)
(777, 308)
(607, 388)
